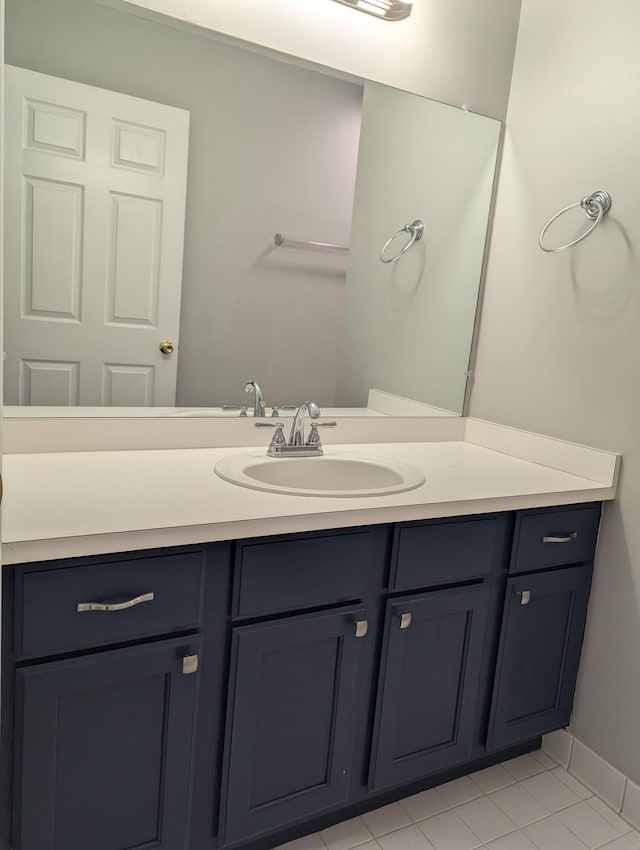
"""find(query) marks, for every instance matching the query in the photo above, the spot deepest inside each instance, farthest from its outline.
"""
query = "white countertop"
(379, 403)
(65, 504)
(44, 412)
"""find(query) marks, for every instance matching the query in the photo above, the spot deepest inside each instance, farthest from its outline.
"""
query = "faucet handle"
(275, 410)
(314, 437)
(243, 409)
(278, 438)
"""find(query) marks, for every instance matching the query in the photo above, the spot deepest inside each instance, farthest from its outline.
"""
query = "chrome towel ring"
(596, 207)
(416, 229)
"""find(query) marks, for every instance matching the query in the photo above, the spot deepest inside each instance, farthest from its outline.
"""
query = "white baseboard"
(617, 790)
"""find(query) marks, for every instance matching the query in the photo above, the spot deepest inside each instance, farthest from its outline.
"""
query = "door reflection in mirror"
(274, 147)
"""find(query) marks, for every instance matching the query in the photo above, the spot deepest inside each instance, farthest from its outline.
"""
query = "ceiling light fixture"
(388, 10)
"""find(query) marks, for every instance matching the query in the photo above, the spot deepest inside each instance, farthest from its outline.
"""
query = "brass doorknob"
(167, 347)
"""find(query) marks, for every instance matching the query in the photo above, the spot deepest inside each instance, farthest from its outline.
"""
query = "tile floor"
(528, 803)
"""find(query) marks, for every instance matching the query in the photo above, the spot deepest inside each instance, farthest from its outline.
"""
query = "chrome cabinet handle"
(560, 538)
(525, 596)
(115, 606)
(405, 620)
(362, 627)
(189, 664)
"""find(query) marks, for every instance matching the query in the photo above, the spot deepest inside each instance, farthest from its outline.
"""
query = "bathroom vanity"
(243, 691)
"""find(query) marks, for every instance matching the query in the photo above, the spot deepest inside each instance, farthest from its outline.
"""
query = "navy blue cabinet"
(359, 663)
(542, 629)
(428, 686)
(447, 551)
(105, 656)
(290, 719)
(547, 538)
(543, 622)
(103, 750)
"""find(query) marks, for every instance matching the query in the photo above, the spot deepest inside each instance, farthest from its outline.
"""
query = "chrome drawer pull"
(115, 606)
(525, 596)
(362, 627)
(405, 620)
(564, 538)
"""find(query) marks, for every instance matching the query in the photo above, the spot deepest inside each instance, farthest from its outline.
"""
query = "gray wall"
(455, 51)
(559, 347)
(273, 148)
(408, 325)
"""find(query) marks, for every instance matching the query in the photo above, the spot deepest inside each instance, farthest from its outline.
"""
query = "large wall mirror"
(149, 166)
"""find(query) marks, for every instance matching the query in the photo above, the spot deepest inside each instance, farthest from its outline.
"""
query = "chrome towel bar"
(283, 241)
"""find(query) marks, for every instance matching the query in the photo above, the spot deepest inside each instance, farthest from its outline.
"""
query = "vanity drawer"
(280, 574)
(438, 552)
(166, 591)
(554, 537)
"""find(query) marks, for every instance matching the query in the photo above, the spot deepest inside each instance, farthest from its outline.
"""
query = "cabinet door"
(290, 720)
(104, 748)
(539, 652)
(428, 686)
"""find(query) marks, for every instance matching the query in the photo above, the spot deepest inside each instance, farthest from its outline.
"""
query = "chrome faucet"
(296, 437)
(258, 407)
(297, 446)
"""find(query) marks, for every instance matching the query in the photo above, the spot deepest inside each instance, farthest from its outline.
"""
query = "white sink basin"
(334, 474)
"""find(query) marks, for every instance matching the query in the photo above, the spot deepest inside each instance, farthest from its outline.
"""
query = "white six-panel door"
(94, 227)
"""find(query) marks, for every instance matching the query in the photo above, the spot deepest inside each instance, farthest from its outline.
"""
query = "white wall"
(456, 51)
(273, 147)
(559, 346)
(408, 325)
